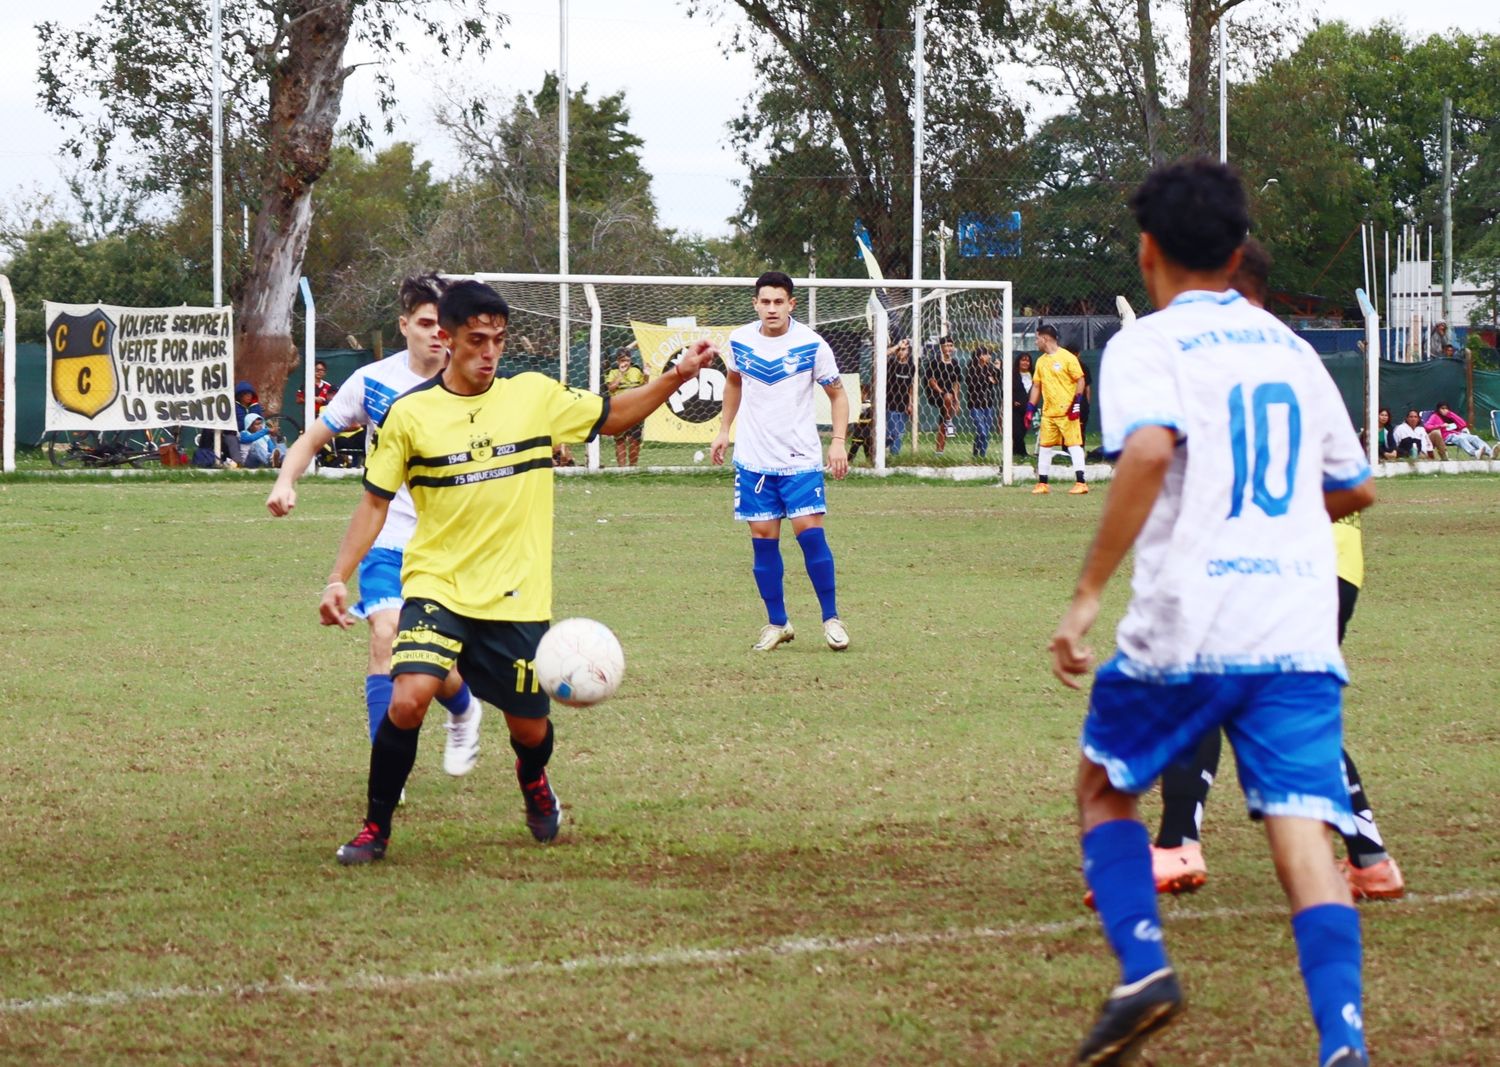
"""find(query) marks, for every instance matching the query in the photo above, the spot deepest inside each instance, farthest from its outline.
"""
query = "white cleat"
(835, 634)
(772, 635)
(462, 750)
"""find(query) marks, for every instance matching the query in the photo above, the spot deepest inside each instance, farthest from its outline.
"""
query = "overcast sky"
(680, 88)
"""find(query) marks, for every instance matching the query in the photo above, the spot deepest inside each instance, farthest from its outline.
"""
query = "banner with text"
(116, 368)
(691, 413)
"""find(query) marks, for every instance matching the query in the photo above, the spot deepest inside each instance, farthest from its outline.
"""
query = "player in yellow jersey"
(475, 448)
(1057, 388)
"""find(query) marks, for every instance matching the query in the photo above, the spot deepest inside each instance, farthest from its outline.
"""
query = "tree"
(285, 73)
(831, 124)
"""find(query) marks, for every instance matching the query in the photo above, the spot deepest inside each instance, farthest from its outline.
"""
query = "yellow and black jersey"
(1349, 544)
(480, 473)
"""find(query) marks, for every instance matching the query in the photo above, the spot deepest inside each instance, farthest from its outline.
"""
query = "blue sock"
(1117, 865)
(377, 699)
(1328, 949)
(768, 572)
(819, 559)
(458, 703)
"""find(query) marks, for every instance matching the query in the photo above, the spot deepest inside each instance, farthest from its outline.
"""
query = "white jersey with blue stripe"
(778, 430)
(1234, 568)
(363, 401)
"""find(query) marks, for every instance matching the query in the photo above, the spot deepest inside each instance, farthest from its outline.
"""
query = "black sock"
(1365, 846)
(1184, 793)
(533, 761)
(1042, 478)
(392, 754)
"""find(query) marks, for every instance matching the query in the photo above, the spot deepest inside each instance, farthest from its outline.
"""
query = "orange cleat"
(1382, 881)
(1175, 870)
(1041, 487)
(1079, 488)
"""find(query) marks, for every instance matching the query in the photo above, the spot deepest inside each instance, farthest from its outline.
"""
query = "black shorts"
(1348, 594)
(494, 656)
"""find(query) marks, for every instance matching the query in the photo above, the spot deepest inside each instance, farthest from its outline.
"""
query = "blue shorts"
(379, 583)
(1286, 730)
(777, 496)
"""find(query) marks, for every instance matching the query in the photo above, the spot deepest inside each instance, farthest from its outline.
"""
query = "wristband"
(1030, 410)
(680, 376)
(335, 582)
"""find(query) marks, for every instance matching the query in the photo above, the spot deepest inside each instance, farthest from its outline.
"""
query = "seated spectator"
(1455, 431)
(257, 445)
(1385, 442)
(562, 456)
(323, 389)
(246, 400)
(205, 456)
(1414, 441)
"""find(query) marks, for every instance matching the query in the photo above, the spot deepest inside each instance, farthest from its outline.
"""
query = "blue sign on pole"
(989, 235)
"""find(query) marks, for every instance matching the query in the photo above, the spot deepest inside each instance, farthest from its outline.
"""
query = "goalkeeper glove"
(1030, 415)
(1076, 410)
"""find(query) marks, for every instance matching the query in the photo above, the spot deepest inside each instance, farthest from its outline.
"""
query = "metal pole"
(812, 293)
(562, 189)
(216, 32)
(596, 338)
(309, 354)
(8, 449)
(1007, 387)
(919, 116)
(878, 357)
(1448, 212)
(942, 236)
(1389, 337)
(1223, 96)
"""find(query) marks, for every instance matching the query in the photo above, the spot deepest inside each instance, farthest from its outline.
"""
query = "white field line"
(786, 948)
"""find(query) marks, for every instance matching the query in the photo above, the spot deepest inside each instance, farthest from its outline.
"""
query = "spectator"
(1385, 442)
(206, 456)
(257, 445)
(1437, 339)
(1413, 440)
(943, 377)
(622, 376)
(1455, 431)
(1020, 389)
(1448, 352)
(246, 400)
(900, 379)
(323, 389)
(862, 429)
(984, 390)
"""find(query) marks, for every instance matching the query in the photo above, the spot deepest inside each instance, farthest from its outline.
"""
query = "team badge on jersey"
(84, 380)
(481, 448)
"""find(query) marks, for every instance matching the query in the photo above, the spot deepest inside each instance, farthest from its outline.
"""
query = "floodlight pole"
(1448, 212)
(217, 33)
(919, 116)
(1223, 96)
(562, 187)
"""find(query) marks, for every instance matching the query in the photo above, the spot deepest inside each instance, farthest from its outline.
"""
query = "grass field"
(801, 858)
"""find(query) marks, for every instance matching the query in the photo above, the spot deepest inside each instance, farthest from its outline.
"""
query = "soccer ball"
(579, 662)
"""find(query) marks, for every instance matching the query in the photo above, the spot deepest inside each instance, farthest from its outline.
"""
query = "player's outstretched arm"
(283, 496)
(1133, 491)
(364, 525)
(630, 406)
(838, 450)
(733, 385)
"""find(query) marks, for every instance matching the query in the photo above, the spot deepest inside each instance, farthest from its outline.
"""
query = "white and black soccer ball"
(579, 662)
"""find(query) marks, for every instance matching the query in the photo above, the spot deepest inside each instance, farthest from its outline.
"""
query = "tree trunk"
(305, 93)
(1201, 22)
(1150, 83)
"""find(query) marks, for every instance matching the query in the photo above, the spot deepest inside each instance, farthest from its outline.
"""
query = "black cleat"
(367, 846)
(543, 809)
(1131, 1014)
(1348, 1057)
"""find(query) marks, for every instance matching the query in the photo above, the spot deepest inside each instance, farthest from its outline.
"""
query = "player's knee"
(408, 709)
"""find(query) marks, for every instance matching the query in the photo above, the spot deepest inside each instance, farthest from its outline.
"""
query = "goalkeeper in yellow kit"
(1057, 385)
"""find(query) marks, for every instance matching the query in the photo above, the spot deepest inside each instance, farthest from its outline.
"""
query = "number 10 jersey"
(1234, 569)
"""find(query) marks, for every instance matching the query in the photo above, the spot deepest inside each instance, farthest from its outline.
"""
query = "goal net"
(577, 328)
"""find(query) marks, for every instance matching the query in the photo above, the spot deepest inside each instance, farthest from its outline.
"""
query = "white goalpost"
(573, 326)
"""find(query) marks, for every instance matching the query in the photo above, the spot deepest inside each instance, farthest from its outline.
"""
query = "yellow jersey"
(1059, 375)
(629, 378)
(1349, 548)
(480, 473)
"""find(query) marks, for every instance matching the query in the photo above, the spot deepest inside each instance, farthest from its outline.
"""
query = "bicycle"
(97, 449)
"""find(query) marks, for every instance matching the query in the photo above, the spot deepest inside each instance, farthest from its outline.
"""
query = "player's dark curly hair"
(421, 289)
(774, 278)
(1195, 210)
(467, 300)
